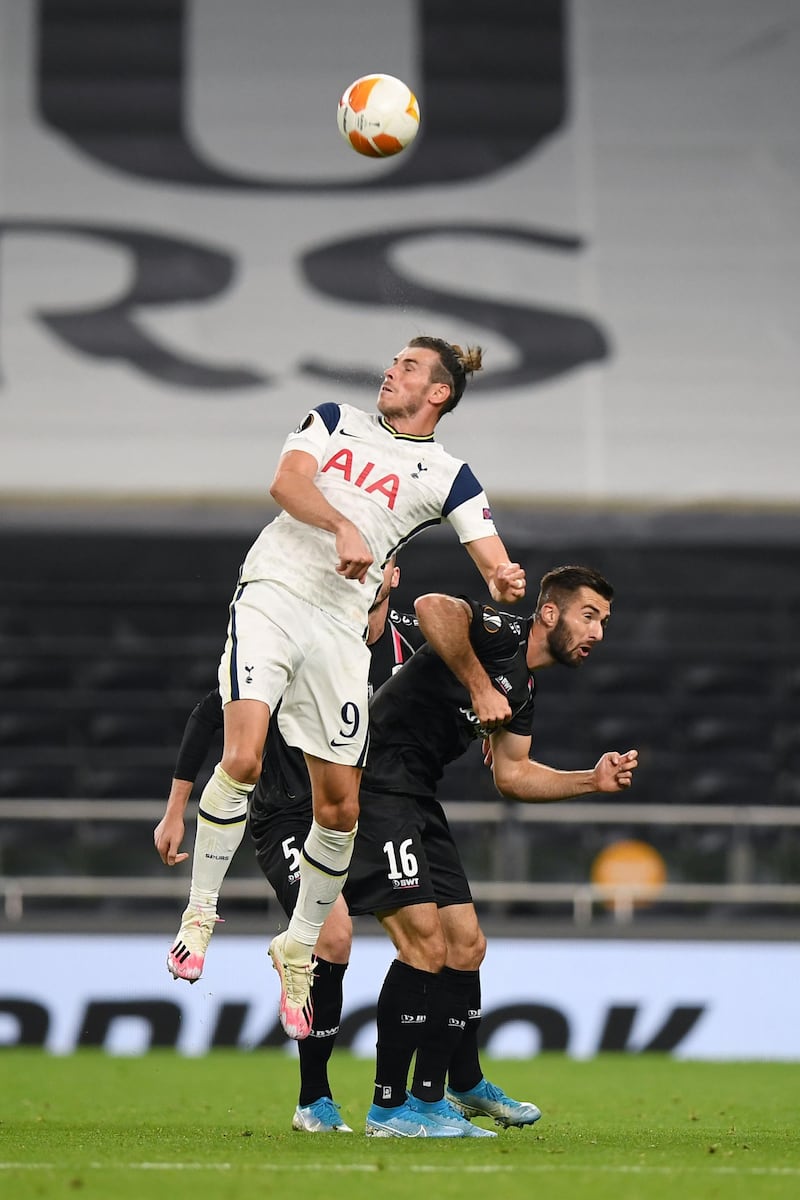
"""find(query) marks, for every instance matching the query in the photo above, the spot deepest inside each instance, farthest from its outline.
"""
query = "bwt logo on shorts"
(405, 883)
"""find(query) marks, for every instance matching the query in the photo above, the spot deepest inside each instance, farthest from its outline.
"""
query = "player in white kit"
(353, 488)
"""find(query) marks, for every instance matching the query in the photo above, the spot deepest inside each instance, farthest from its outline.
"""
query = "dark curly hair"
(565, 581)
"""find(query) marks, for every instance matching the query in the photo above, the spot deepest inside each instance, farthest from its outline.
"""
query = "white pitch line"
(405, 1168)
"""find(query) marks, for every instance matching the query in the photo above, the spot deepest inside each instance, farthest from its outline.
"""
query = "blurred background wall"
(604, 194)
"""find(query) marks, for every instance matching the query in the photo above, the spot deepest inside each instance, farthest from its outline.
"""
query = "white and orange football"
(378, 115)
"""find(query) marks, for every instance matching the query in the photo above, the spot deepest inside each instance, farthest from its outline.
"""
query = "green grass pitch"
(218, 1127)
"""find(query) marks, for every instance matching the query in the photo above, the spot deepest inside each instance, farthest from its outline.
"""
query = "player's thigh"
(265, 644)
(325, 705)
(245, 731)
(389, 868)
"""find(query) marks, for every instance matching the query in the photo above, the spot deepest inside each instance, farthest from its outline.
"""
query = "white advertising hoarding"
(695, 1000)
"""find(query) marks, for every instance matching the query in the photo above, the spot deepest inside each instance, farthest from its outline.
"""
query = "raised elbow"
(275, 489)
(506, 783)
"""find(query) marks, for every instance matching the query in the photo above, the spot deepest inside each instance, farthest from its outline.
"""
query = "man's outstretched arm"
(519, 777)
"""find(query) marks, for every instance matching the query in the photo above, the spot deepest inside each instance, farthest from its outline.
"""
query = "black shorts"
(404, 854)
(278, 843)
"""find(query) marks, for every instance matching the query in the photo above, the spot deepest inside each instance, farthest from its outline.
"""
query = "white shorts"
(281, 649)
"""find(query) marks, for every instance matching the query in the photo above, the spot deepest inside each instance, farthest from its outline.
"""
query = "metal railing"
(581, 897)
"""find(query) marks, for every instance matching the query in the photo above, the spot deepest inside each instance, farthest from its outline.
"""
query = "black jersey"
(422, 718)
(400, 639)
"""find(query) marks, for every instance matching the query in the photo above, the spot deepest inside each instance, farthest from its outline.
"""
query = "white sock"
(221, 821)
(323, 870)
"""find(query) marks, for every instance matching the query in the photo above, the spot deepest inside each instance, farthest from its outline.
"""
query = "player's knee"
(467, 952)
(336, 812)
(242, 763)
(425, 952)
(437, 957)
(478, 950)
(333, 949)
(335, 940)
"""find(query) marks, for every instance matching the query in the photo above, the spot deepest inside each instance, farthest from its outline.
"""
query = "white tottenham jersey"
(390, 485)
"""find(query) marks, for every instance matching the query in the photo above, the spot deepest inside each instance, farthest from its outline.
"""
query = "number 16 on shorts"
(403, 867)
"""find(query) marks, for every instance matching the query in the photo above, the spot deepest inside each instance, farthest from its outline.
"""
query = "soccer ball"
(378, 115)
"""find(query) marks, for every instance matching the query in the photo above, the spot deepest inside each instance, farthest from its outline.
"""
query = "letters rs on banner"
(700, 1000)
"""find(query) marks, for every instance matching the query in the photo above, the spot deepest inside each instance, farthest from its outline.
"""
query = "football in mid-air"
(378, 115)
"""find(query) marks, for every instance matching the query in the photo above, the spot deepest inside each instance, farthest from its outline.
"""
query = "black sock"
(316, 1049)
(448, 1006)
(465, 1066)
(402, 1010)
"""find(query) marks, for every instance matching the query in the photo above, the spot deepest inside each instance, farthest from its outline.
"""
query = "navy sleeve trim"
(465, 487)
(331, 415)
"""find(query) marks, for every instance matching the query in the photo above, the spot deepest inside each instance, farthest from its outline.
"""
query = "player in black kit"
(472, 680)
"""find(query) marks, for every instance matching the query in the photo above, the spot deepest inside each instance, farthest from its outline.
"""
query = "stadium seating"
(100, 668)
